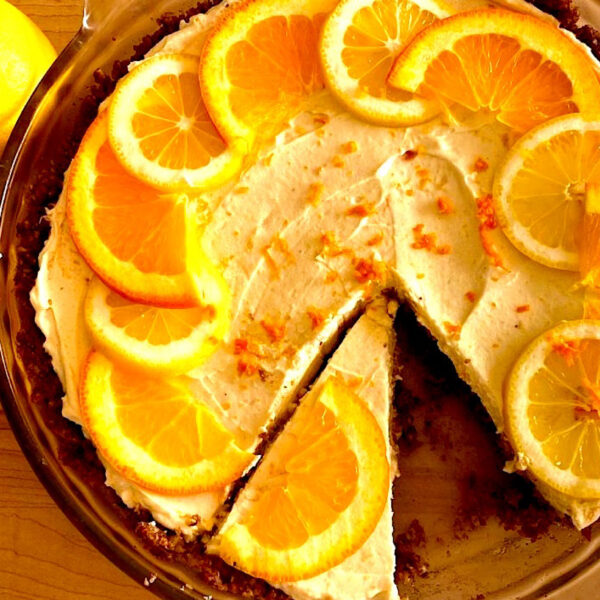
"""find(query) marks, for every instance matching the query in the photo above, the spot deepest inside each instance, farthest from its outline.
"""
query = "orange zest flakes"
(452, 329)
(331, 276)
(350, 147)
(280, 245)
(275, 328)
(361, 210)
(375, 240)
(523, 308)
(331, 246)
(568, 349)
(488, 222)
(242, 189)
(338, 162)
(321, 119)
(409, 155)
(317, 316)
(480, 165)
(249, 353)
(427, 241)
(424, 177)
(470, 296)
(445, 205)
(315, 193)
(420, 275)
(369, 269)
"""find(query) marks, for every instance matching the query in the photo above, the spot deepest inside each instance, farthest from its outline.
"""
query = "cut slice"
(322, 492)
(361, 39)
(160, 130)
(553, 408)
(260, 63)
(539, 189)
(521, 70)
(155, 433)
(140, 242)
(171, 340)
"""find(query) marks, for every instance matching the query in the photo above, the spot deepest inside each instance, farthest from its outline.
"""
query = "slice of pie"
(280, 529)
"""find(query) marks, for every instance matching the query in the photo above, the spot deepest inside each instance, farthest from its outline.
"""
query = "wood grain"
(42, 555)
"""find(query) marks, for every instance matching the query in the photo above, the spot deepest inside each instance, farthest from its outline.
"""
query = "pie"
(219, 282)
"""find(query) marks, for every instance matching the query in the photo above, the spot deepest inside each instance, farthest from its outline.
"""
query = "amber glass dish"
(493, 561)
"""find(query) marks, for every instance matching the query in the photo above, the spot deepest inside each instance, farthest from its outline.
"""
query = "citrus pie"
(215, 292)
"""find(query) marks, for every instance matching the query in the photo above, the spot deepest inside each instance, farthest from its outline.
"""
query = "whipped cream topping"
(297, 237)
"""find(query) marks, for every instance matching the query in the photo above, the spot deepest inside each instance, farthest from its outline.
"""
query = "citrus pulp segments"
(374, 50)
(204, 455)
(168, 289)
(577, 162)
(532, 35)
(353, 526)
(177, 125)
(169, 340)
(520, 416)
(233, 29)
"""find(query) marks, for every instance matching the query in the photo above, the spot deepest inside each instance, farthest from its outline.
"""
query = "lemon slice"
(552, 408)
(160, 339)
(155, 432)
(360, 42)
(160, 130)
(512, 67)
(540, 189)
(317, 496)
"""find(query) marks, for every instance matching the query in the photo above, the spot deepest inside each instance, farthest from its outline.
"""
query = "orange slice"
(318, 494)
(155, 433)
(361, 40)
(521, 70)
(260, 63)
(140, 242)
(540, 191)
(171, 340)
(160, 130)
(552, 408)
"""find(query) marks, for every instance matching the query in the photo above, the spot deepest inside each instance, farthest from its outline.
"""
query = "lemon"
(25, 55)
(552, 408)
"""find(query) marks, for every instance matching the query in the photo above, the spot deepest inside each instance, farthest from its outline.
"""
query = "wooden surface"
(42, 555)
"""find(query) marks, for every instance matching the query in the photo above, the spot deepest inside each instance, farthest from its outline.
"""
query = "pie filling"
(324, 217)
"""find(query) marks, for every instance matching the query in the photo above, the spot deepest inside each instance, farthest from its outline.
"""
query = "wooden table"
(42, 555)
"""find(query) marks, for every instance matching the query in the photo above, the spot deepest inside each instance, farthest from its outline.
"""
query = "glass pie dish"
(489, 559)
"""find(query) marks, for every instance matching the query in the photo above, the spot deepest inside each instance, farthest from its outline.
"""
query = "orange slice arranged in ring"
(361, 40)
(140, 242)
(540, 191)
(260, 63)
(552, 408)
(173, 340)
(155, 432)
(318, 494)
(160, 130)
(522, 70)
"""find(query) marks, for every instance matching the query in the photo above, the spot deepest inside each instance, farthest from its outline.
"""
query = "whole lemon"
(25, 55)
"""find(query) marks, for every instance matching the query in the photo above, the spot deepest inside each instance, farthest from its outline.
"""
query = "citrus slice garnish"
(318, 494)
(521, 70)
(171, 340)
(361, 39)
(142, 243)
(540, 189)
(160, 130)
(155, 432)
(260, 63)
(552, 408)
